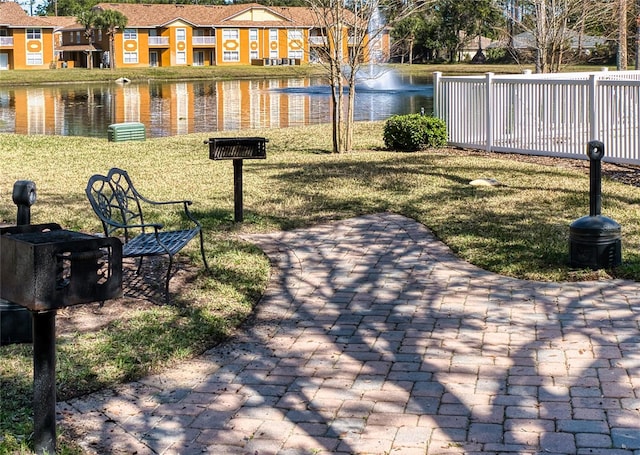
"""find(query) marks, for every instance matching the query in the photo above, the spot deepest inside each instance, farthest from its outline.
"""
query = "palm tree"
(88, 19)
(111, 21)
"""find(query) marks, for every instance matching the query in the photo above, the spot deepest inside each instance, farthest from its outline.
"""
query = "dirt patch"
(140, 291)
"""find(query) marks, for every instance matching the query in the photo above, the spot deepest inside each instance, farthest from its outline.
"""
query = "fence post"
(593, 113)
(489, 111)
(436, 94)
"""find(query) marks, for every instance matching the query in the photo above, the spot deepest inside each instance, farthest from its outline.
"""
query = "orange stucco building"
(171, 35)
(26, 42)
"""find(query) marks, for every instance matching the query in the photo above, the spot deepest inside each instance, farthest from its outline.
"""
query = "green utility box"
(129, 131)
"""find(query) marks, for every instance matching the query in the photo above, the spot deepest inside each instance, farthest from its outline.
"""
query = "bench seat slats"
(147, 244)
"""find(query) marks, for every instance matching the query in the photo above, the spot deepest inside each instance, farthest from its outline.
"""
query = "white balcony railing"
(158, 41)
(6, 41)
(317, 40)
(203, 40)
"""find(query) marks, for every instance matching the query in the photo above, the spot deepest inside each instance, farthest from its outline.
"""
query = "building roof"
(13, 16)
(240, 15)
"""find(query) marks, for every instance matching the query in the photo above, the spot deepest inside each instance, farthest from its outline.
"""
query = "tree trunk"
(348, 138)
(336, 106)
(112, 58)
(410, 51)
(622, 35)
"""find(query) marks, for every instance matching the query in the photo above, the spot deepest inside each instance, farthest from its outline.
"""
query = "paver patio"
(372, 338)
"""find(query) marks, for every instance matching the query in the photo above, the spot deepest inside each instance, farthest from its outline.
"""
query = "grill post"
(44, 381)
(237, 149)
(237, 191)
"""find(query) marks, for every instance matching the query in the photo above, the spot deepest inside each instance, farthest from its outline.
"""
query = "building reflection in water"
(173, 108)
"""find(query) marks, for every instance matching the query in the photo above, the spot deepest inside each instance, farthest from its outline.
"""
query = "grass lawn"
(20, 77)
(519, 229)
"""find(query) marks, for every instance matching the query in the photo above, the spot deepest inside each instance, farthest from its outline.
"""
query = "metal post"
(237, 190)
(595, 151)
(44, 382)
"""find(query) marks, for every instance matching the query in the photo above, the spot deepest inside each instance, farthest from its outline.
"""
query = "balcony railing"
(317, 40)
(6, 41)
(203, 40)
(158, 41)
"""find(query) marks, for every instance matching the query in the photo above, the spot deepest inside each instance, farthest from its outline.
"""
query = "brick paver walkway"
(372, 338)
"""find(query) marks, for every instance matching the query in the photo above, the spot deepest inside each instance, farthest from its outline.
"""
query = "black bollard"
(595, 240)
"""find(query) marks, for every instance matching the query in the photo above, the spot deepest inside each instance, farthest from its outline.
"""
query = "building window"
(295, 54)
(231, 56)
(253, 34)
(131, 57)
(77, 37)
(181, 58)
(253, 55)
(130, 34)
(181, 34)
(99, 34)
(34, 58)
(295, 35)
(230, 34)
(34, 33)
(273, 43)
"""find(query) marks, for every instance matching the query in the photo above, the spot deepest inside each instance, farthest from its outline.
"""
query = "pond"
(173, 108)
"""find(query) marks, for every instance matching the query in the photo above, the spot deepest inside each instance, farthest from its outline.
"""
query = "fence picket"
(543, 114)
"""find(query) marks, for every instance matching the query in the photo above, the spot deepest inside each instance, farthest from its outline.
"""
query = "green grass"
(519, 229)
(21, 77)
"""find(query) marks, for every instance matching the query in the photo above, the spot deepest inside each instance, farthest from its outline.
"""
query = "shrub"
(414, 132)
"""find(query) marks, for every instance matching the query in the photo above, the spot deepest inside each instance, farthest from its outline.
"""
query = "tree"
(89, 20)
(405, 34)
(552, 25)
(352, 28)
(111, 21)
(462, 20)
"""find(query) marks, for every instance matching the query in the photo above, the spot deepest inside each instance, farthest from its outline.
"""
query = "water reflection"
(172, 108)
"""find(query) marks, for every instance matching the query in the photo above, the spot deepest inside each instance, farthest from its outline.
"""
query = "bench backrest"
(115, 201)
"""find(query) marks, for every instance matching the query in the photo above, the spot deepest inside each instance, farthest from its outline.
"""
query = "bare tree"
(349, 34)
(553, 25)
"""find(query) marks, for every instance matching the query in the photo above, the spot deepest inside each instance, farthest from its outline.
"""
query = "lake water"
(172, 108)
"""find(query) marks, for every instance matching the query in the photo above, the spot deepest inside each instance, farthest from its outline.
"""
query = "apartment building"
(26, 42)
(199, 35)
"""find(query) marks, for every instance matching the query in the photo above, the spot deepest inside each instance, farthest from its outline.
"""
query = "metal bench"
(118, 205)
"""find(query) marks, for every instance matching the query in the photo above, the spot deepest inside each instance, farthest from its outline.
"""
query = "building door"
(153, 58)
(4, 61)
(198, 58)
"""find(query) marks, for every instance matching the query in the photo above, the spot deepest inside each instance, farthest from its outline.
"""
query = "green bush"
(414, 132)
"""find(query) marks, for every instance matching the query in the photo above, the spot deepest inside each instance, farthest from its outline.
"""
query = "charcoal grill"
(44, 268)
(237, 149)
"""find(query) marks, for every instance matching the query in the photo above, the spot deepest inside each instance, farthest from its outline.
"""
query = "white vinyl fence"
(543, 114)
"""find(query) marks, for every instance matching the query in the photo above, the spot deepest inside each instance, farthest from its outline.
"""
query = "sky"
(26, 5)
